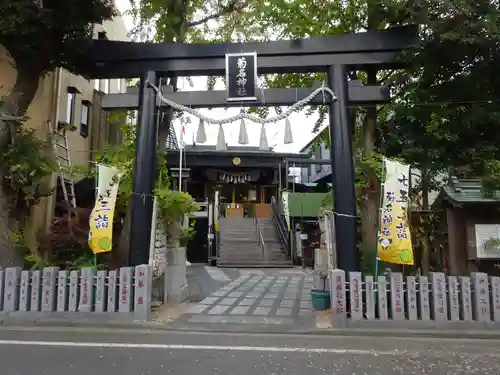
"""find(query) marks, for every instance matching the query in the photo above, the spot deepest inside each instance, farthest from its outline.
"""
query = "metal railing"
(260, 238)
(281, 228)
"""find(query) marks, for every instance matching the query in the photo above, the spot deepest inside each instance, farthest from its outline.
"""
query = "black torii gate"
(335, 55)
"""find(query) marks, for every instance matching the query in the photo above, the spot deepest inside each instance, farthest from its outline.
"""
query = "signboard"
(487, 241)
(241, 76)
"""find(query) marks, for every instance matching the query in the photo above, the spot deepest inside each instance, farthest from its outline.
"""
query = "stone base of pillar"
(176, 281)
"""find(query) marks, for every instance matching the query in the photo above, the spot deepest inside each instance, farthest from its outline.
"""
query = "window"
(85, 118)
(317, 156)
(119, 86)
(71, 104)
(70, 107)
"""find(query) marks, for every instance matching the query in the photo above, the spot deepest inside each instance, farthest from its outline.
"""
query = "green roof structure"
(305, 204)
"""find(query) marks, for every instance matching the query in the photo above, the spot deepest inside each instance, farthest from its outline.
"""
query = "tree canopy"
(40, 36)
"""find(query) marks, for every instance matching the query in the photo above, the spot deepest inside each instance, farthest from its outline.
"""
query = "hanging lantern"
(201, 136)
(288, 132)
(263, 146)
(243, 136)
(221, 140)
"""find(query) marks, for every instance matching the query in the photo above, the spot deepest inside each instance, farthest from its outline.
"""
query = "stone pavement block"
(228, 301)
(270, 295)
(219, 293)
(247, 302)
(218, 310)
(235, 294)
(209, 300)
(267, 302)
(305, 312)
(197, 309)
(284, 312)
(261, 311)
(287, 303)
(240, 310)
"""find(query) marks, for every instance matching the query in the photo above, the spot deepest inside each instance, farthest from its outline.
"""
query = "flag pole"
(379, 217)
(180, 156)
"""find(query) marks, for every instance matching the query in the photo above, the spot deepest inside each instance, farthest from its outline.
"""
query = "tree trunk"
(370, 205)
(426, 246)
(18, 101)
(15, 104)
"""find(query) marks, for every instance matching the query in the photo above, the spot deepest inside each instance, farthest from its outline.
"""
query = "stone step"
(252, 258)
(255, 264)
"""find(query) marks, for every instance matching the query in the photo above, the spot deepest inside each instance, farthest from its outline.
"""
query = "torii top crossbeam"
(115, 59)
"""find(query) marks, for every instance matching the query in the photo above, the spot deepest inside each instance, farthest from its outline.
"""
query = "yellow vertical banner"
(101, 218)
(394, 242)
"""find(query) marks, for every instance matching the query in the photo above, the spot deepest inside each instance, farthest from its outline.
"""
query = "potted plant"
(321, 295)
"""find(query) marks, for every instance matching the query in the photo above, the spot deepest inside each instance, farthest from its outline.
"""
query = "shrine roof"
(466, 191)
(238, 151)
(248, 157)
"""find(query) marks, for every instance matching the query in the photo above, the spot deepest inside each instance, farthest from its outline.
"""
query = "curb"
(352, 332)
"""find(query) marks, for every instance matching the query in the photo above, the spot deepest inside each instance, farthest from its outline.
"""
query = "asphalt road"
(59, 351)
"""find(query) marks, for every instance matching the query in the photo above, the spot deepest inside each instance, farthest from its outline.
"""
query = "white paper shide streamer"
(201, 135)
(288, 132)
(243, 136)
(221, 140)
(263, 145)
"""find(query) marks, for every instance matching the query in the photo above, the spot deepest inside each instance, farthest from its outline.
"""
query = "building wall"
(48, 106)
(316, 171)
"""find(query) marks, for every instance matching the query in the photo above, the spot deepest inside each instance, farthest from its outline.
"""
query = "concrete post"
(11, 296)
(24, 291)
(176, 275)
(338, 298)
(397, 299)
(36, 290)
(49, 288)
(411, 297)
(62, 291)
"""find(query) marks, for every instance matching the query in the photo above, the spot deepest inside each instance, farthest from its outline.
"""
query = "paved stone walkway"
(254, 299)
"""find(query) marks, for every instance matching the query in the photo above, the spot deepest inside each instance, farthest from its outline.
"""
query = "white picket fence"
(125, 292)
(436, 298)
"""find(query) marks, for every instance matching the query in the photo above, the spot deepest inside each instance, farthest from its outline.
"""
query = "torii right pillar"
(343, 186)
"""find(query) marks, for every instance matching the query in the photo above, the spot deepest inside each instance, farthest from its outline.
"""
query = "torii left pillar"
(144, 173)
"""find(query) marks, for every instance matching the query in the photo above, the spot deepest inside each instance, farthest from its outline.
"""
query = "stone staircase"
(240, 247)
